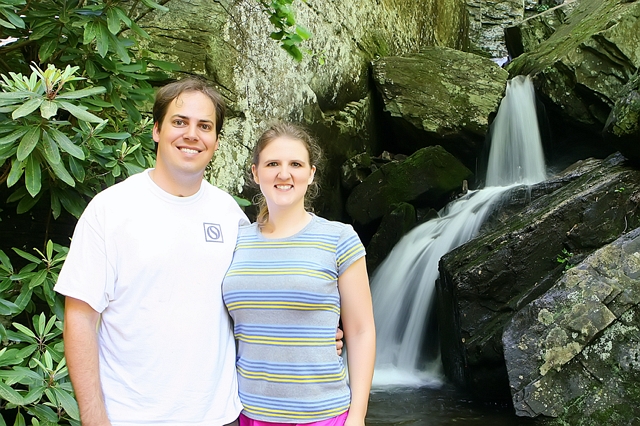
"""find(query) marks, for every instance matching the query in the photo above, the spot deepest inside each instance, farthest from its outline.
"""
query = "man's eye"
(178, 122)
(206, 127)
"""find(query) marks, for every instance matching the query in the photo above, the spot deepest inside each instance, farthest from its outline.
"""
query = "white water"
(404, 284)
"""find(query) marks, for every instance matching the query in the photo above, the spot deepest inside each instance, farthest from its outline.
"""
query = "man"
(146, 261)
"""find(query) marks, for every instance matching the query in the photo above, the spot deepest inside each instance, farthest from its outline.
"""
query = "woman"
(294, 275)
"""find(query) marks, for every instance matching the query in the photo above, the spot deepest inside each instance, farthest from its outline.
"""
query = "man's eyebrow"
(184, 117)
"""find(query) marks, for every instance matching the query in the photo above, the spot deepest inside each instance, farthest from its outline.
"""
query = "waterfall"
(403, 286)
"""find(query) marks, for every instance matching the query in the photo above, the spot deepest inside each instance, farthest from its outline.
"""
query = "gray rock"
(428, 177)
(487, 280)
(575, 351)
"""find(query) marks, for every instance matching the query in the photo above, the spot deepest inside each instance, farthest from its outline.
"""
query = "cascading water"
(404, 284)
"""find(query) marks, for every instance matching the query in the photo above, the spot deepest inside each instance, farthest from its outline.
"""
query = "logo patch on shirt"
(213, 233)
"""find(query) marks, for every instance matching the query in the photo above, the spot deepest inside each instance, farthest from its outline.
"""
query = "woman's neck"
(283, 224)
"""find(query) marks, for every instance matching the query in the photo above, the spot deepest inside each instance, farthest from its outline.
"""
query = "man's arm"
(81, 351)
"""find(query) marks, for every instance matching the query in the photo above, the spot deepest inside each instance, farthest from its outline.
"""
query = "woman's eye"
(272, 164)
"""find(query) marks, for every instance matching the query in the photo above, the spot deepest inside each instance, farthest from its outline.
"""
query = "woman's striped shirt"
(283, 297)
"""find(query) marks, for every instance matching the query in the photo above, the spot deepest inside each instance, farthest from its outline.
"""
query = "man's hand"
(339, 342)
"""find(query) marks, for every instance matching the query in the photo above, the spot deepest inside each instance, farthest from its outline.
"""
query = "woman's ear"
(255, 174)
(313, 174)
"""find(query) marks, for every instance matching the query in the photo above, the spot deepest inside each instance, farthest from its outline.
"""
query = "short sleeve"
(86, 272)
(349, 249)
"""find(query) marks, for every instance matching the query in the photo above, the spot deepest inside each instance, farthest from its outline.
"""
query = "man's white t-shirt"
(152, 264)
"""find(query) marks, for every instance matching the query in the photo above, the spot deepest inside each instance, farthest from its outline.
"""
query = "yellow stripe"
(307, 272)
(285, 341)
(296, 414)
(283, 305)
(287, 378)
(271, 244)
(348, 254)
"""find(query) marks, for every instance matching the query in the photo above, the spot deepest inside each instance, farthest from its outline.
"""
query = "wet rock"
(582, 67)
(439, 96)
(426, 178)
(393, 226)
(574, 352)
(487, 280)
(623, 125)
(527, 35)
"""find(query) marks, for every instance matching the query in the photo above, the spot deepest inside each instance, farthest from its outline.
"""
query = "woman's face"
(283, 173)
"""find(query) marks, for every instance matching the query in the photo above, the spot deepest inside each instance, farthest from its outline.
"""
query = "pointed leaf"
(66, 144)
(154, 5)
(102, 39)
(77, 169)
(9, 394)
(33, 175)
(61, 171)
(113, 22)
(50, 149)
(46, 49)
(80, 112)
(16, 20)
(27, 108)
(17, 168)
(38, 279)
(13, 136)
(48, 109)
(28, 143)
(68, 403)
(89, 33)
(77, 94)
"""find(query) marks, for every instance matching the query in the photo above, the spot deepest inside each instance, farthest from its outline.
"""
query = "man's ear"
(255, 174)
(156, 132)
(217, 145)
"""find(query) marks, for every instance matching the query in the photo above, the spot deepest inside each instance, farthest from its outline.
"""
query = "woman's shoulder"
(332, 225)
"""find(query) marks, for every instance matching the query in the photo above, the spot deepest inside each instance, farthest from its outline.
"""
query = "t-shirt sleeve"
(86, 274)
(349, 249)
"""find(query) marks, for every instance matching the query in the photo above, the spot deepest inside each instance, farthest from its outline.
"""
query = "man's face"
(188, 138)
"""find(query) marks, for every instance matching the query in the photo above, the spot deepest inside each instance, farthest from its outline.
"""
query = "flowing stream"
(403, 286)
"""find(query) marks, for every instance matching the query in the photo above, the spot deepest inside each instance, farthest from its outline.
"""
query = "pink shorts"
(333, 421)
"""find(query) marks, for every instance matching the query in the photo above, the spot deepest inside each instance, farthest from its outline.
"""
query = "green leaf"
(48, 109)
(13, 136)
(113, 21)
(68, 403)
(90, 31)
(304, 33)
(102, 39)
(27, 108)
(44, 412)
(7, 393)
(80, 112)
(116, 136)
(28, 143)
(166, 66)
(66, 144)
(38, 279)
(42, 30)
(19, 420)
(77, 169)
(33, 175)
(50, 149)
(27, 256)
(17, 168)
(61, 171)
(120, 49)
(13, 18)
(24, 329)
(83, 93)
(46, 49)
(8, 308)
(73, 203)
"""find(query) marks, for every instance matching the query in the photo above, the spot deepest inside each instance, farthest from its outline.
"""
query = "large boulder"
(623, 125)
(429, 177)
(526, 35)
(582, 67)
(574, 352)
(440, 96)
(520, 255)
(228, 42)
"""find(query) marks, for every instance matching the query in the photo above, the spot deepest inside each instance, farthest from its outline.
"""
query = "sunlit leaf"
(50, 149)
(28, 143)
(66, 144)
(83, 93)
(27, 108)
(80, 112)
(33, 175)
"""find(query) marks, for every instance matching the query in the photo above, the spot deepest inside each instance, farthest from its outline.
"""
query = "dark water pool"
(438, 407)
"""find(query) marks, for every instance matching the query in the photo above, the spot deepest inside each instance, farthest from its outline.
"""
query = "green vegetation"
(74, 89)
(564, 258)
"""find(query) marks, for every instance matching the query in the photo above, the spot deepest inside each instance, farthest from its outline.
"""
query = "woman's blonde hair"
(295, 132)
